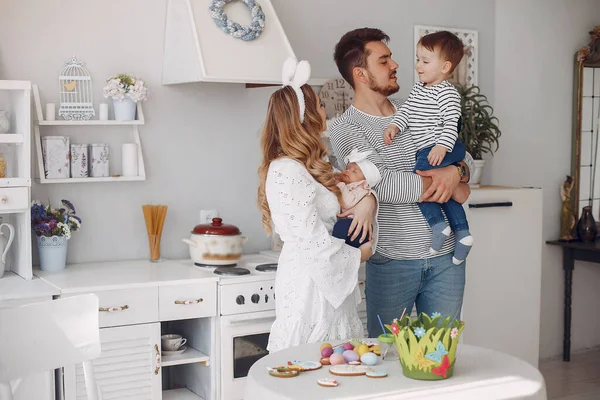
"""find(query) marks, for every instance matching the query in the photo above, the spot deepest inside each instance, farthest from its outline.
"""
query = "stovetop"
(248, 262)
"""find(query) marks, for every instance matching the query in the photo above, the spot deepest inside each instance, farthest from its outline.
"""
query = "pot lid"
(216, 227)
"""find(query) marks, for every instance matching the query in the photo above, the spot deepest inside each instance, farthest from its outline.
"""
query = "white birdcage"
(75, 86)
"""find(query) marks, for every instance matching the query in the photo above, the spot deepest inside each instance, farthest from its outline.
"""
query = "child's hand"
(390, 133)
(436, 155)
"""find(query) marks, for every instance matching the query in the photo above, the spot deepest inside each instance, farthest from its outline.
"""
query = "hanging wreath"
(234, 29)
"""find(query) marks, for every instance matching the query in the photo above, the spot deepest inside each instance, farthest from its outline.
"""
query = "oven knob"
(239, 300)
(255, 298)
(266, 298)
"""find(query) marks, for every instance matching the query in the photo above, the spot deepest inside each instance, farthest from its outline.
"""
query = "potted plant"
(125, 91)
(53, 228)
(479, 131)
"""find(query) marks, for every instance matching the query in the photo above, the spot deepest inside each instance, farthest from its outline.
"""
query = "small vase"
(53, 252)
(586, 226)
(124, 109)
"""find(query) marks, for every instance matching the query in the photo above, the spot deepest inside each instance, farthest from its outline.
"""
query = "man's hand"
(436, 155)
(362, 218)
(390, 133)
(444, 183)
(462, 192)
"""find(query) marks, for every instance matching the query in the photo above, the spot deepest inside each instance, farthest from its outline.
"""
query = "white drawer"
(127, 306)
(187, 301)
(14, 199)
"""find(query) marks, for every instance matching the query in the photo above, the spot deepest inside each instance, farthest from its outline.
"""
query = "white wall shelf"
(92, 180)
(190, 356)
(180, 394)
(40, 121)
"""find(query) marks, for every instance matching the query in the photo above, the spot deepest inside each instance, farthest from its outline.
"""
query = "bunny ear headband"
(295, 74)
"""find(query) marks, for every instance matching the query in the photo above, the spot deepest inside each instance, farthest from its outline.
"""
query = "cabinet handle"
(490, 205)
(200, 300)
(3, 199)
(157, 369)
(114, 309)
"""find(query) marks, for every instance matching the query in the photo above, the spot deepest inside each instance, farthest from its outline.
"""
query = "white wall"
(535, 44)
(201, 140)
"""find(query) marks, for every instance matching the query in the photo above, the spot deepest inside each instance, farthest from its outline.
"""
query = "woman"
(316, 285)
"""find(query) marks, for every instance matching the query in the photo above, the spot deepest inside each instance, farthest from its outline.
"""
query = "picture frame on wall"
(465, 74)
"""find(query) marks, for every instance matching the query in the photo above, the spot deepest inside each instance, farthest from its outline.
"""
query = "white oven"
(246, 314)
(244, 339)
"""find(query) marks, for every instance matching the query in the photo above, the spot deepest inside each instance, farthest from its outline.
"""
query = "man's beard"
(384, 90)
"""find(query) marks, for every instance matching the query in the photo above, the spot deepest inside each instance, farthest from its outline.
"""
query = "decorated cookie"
(325, 361)
(327, 382)
(378, 373)
(354, 362)
(304, 365)
(283, 372)
(349, 370)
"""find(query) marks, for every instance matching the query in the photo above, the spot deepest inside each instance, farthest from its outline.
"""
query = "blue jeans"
(454, 210)
(434, 284)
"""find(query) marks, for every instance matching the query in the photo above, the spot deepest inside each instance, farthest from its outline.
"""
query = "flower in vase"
(123, 85)
(50, 221)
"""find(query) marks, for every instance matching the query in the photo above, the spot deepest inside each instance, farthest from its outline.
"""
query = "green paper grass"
(427, 346)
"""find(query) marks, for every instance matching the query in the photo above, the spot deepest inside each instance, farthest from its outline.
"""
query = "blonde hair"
(284, 136)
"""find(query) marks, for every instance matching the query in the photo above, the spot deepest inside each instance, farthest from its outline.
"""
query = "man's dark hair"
(447, 44)
(350, 51)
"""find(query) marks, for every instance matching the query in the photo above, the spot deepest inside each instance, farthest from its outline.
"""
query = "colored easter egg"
(338, 350)
(368, 358)
(336, 358)
(350, 355)
(326, 351)
(356, 342)
(325, 345)
(362, 349)
(325, 361)
(347, 346)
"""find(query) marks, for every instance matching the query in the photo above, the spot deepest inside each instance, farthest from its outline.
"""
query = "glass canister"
(389, 352)
(2, 166)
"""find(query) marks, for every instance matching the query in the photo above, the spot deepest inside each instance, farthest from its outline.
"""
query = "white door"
(501, 306)
(128, 367)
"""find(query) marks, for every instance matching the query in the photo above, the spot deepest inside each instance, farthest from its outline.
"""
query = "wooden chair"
(44, 336)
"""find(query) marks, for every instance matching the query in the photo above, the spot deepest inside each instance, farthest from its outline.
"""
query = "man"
(402, 272)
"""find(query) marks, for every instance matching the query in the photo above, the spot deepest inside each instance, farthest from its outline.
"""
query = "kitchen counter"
(13, 287)
(90, 277)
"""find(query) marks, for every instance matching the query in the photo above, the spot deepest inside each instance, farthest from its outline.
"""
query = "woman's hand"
(366, 250)
(362, 218)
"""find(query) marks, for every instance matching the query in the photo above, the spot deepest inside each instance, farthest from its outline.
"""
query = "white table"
(479, 374)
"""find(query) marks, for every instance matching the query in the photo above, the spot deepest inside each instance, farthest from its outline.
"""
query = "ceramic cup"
(172, 342)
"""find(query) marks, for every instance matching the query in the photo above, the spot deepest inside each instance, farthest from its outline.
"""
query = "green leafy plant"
(479, 132)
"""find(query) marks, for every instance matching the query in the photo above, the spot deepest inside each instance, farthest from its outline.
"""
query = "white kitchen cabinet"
(501, 307)
(128, 367)
(15, 181)
(76, 130)
(139, 301)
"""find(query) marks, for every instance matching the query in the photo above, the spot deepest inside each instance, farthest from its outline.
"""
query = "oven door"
(243, 341)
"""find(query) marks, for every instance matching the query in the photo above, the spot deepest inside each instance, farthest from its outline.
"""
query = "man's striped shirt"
(431, 113)
(403, 231)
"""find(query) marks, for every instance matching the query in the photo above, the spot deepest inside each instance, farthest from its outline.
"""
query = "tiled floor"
(575, 380)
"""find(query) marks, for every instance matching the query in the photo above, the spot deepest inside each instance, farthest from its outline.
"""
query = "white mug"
(172, 342)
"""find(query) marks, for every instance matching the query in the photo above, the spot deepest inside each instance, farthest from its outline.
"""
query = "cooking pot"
(216, 243)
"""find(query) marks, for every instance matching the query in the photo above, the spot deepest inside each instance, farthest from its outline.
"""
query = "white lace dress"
(316, 287)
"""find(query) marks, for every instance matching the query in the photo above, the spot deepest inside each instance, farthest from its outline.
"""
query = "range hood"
(197, 50)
